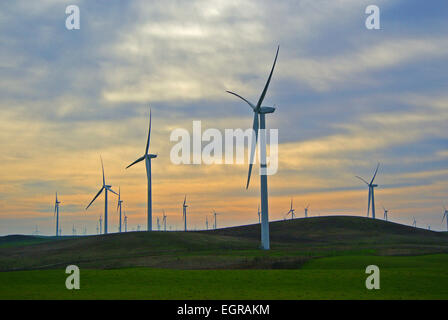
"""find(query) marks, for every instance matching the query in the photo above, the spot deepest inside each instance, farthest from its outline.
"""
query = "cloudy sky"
(347, 98)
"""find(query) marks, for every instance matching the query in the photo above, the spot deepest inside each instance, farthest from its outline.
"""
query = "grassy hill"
(293, 242)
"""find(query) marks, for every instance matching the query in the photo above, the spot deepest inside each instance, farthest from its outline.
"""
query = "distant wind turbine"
(216, 223)
(119, 205)
(164, 221)
(97, 229)
(206, 223)
(56, 213)
(260, 113)
(101, 224)
(106, 188)
(386, 212)
(414, 224)
(158, 224)
(184, 213)
(306, 211)
(371, 186)
(74, 230)
(147, 157)
(125, 223)
(291, 211)
(445, 217)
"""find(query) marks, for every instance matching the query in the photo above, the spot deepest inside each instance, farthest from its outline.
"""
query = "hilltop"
(293, 243)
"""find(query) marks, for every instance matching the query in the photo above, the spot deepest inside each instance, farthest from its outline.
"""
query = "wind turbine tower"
(184, 213)
(260, 123)
(164, 221)
(106, 188)
(119, 205)
(56, 213)
(216, 223)
(125, 223)
(414, 224)
(147, 157)
(206, 223)
(371, 187)
(306, 211)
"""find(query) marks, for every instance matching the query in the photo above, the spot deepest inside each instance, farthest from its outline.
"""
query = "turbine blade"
(99, 192)
(102, 167)
(253, 146)
(362, 180)
(137, 161)
(247, 101)
(376, 171)
(110, 189)
(263, 94)
(149, 134)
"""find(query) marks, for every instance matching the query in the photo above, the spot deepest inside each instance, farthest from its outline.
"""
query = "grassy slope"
(293, 243)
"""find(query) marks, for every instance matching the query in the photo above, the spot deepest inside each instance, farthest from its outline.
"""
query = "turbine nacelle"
(265, 110)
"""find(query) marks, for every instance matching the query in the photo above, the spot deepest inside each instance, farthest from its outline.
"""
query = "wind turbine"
(184, 213)
(125, 223)
(56, 213)
(386, 212)
(291, 211)
(259, 114)
(97, 229)
(164, 221)
(371, 186)
(445, 215)
(106, 188)
(101, 224)
(119, 207)
(216, 223)
(74, 230)
(147, 157)
(414, 224)
(158, 224)
(206, 223)
(306, 211)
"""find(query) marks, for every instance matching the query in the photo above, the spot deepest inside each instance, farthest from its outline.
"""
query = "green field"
(316, 258)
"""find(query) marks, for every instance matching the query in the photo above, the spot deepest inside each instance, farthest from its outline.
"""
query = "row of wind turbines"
(259, 123)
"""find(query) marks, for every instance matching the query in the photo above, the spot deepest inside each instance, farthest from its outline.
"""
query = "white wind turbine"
(106, 188)
(414, 224)
(184, 213)
(119, 205)
(291, 211)
(158, 224)
(101, 224)
(445, 216)
(386, 214)
(147, 157)
(371, 186)
(56, 213)
(206, 223)
(306, 211)
(164, 221)
(260, 113)
(125, 223)
(216, 222)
